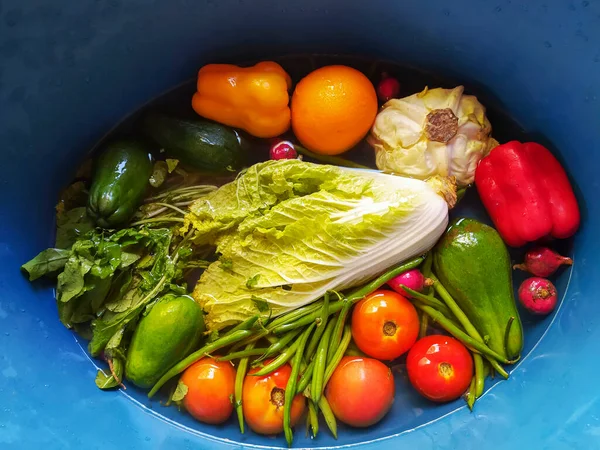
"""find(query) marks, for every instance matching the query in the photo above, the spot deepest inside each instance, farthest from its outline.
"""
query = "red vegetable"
(412, 279)
(538, 295)
(387, 88)
(283, 150)
(439, 367)
(360, 391)
(527, 193)
(542, 262)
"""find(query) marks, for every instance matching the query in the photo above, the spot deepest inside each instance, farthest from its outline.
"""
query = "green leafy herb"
(252, 281)
(49, 261)
(180, 392)
(72, 225)
(226, 263)
(261, 303)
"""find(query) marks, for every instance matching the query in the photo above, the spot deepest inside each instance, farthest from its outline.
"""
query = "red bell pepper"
(527, 193)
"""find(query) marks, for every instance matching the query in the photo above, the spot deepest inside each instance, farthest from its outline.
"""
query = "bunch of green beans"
(314, 338)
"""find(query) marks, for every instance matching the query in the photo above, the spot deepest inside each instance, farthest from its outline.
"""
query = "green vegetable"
(199, 143)
(72, 225)
(294, 230)
(119, 182)
(318, 379)
(47, 262)
(290, 388)
(240, 374)
(167, 334)
(225, 341)
(473, 264)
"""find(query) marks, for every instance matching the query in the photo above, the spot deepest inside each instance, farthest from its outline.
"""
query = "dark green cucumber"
(199, 143)
(120, 180)
(473, 264)
(171, 331)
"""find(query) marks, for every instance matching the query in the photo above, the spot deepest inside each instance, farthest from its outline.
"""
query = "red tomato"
(385, 325)
(440, 368)
(263, 399)
(210, 386)
(360, 391)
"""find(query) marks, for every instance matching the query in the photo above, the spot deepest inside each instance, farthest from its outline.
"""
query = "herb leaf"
(260, 303)
(253, 281)
(172, 164)
(72, 225)
(49, 261)
(180, 392)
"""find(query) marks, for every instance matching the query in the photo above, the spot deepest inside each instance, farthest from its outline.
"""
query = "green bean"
(290, 388)
(239, 387)
(426, 267)
(353, 297)
(497, 367)
(320, 364)
(362, 292)
(336, 335)
(506, 335)
(479, 375)
(458, 313)
(249, 351)
(353, 350)
(278, 346)
(245, 325)
(316, 338)
(473, 344)
(295, 314)
(429, 300)
(423, 325)
(471, 395)
(338, 354)
(328, 415)
(313, 418)
(225, 341)
(306, 377)
(284, 357)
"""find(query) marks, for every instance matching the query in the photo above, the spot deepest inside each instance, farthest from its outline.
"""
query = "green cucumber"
(473, 264)
(120, 180)
(168, 333)
(198, 143)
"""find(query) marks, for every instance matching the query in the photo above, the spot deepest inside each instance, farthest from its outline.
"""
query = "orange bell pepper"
(254, 99)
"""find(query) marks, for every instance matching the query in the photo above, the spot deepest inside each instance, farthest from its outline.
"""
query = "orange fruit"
(333, 108)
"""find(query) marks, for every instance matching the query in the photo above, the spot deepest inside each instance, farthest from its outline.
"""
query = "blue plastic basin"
(70, 70)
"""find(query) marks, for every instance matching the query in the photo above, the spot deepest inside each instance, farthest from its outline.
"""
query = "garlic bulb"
(435, 132)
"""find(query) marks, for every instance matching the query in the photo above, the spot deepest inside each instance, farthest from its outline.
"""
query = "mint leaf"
(49, 261)
(180, 392)
(253, 281)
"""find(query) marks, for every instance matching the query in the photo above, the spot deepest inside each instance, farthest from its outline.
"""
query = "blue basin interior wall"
(71, 70)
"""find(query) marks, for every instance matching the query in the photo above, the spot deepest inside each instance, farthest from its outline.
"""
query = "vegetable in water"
(254, 99)
(292, 230)
(120, 180)
(283, 150)
(538, 295)
(473, 264)
(435, 132)
(388, 88)
(412, 279)
(542, 262)
(440, 368)
(527, 193)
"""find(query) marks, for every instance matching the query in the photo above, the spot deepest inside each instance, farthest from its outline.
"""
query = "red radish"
(412, 279)
(538, 295)
(387, 88)
(283, 150)
(542, 262)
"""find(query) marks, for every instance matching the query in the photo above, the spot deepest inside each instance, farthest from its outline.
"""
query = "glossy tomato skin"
(210, 386)
(360, 391)
(440, 368)
(263, 400)
(385, 325)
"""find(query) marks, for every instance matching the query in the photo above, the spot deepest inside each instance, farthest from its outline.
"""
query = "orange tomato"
(385, 325)
(333, 108)
(263, 399)
(210, 386)
(360, 391)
